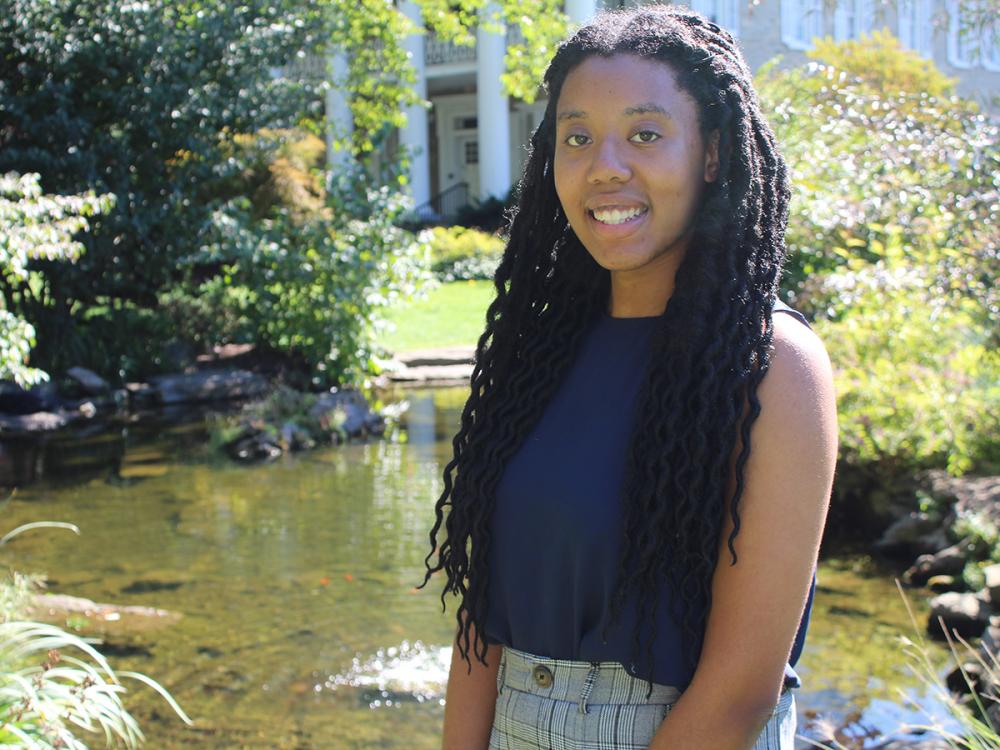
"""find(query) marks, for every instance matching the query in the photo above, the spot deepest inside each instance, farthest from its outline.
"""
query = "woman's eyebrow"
(647, 108)
(636, 109)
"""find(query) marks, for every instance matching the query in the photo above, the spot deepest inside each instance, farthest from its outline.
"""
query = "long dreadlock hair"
(710, 350)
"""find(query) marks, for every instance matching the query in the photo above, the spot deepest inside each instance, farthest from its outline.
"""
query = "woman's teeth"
(616, 216)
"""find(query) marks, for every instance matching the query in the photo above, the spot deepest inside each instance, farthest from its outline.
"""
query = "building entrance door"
(467, 159)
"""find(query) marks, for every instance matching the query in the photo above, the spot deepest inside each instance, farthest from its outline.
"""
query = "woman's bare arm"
(471, 699)
(757, 603)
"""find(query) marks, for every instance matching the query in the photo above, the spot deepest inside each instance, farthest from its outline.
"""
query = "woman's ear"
(712, 157)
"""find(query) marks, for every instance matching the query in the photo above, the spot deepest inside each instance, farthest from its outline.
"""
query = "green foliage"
(905, 175)
(138, 100)
(879, 61)
(311, 287)
(976, 731)
(277, 169)
(148, 100)
(50, 697)
(893, 250)
(459, 254)
(33, 226)
(977, 530)
(917, 379)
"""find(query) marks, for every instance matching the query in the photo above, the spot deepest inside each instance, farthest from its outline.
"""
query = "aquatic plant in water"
(975, 730)
(48, 696)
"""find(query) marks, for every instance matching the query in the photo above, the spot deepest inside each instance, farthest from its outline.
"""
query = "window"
(851, 19)
(973, 35)
(472, 152)
(990, 41)
(915, 26)
(801, 20)
(726, 13)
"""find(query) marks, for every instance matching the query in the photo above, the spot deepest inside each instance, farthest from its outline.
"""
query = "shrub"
(457, 253)
(313, 288)
(917, 378)
(878, 169)
(139, 100)
(893, 251)
(33, 226)
(49, 697)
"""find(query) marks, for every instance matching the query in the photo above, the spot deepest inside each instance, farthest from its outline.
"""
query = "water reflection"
(300, 622)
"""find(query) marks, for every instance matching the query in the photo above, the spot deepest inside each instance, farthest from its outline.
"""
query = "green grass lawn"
(451, 315)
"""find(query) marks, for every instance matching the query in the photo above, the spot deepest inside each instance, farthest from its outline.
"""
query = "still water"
(299, 622)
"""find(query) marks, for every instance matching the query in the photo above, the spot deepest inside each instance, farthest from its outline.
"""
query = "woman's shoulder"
(798, 386)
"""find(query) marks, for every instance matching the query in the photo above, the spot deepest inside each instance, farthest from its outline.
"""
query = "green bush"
(460, 254)
(313, 288)
(880, 169)
(893, 251)
(917, 379)
(33, 226)
(139, 100)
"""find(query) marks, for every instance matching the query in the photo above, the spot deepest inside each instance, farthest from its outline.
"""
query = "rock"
(960, 678)
(253, 445)
(992, 574)
(966, 494)
(451, 355)
(41, 421)
(295, 438)
(967, 614)
(931, 743)
(990, 643)
(942, 583)
(949, 561)
(935, 540)
(904, 533)
(90, 381)
(15, 400)
(346, 411)
(209, 385)
(140, 395)
(55, 607)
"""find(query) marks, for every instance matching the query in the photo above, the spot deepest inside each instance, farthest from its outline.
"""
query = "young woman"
(632, 516)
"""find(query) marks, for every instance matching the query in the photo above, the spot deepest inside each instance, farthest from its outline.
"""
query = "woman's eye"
(576, 140)
(645, 136)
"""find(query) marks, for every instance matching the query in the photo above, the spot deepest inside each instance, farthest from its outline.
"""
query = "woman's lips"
(616, 230)
(617, 215)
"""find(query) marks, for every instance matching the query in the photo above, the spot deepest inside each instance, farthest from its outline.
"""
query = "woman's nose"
(608, 163)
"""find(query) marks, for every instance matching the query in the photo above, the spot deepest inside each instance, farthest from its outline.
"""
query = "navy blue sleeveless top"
(557, 523)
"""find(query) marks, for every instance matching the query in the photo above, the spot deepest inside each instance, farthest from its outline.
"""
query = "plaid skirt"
(556, 704)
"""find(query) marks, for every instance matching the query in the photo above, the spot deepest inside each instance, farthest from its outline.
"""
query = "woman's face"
(630, 162)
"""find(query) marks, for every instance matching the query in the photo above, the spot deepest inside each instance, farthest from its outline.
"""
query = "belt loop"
(502, 670)
(588, 685)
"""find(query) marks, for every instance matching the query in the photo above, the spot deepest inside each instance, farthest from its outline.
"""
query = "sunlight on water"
(408, 672)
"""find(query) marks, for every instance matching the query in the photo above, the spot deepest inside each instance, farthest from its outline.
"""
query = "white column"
(414, 134)
(339, 123)
(580, 11)
(492, 112)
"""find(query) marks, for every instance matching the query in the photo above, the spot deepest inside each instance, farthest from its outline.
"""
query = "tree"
(143, 100)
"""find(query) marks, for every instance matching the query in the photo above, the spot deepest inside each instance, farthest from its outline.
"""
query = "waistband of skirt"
(610, 683)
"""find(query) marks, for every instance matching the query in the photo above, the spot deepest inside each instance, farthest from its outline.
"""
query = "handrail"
(447, 203)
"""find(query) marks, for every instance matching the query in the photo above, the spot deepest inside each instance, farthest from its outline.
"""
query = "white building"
(470, 144)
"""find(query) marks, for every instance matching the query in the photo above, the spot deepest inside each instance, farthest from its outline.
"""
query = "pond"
(300, 625)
